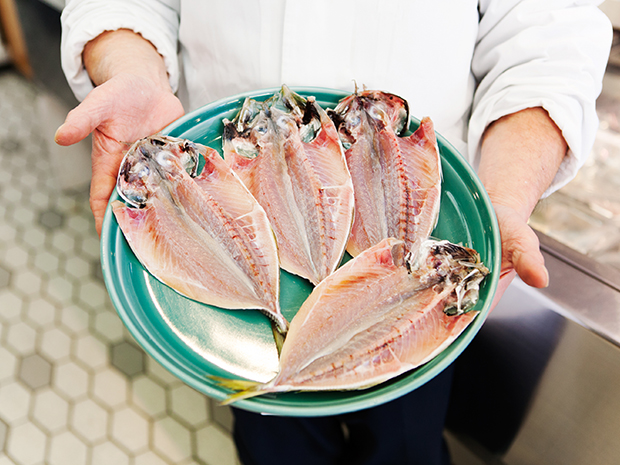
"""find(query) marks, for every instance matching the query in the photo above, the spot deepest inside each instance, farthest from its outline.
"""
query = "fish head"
(379, 109)
(259, 124)
(303, 112)
(347, 117)
(247, 116)
(292, 101)
(444, 264)
(150, 161)
(249, 129)
(389, 109)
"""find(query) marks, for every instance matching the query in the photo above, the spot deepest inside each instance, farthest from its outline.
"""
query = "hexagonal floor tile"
(67, 449)
(128, 358)
(189, 405)
(21, 338)
(51, 219)
(130, 429)
(71, 379)
(89, 421)
(108, 453)
(8, 362)
(172, 440)
(14, 402)
(215, 447)
(110, 387)
(35, 372)
(5, 277)
(149, 396)
(3, 430)
(27, 444)
(50, 410)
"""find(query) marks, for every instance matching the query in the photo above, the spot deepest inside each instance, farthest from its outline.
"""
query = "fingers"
(106, 158)
(99, 203)
(520, 248)
(504, 281)
(529, 263)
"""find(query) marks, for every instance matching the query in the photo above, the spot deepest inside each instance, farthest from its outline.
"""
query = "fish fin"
(278, 337)
(245, 388)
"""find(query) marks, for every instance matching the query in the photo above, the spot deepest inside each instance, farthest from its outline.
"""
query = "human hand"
(520, 252)
(118, 112)
(520, 155)
(520, 248)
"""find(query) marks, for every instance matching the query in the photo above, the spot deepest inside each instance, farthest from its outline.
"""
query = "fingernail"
(57, 131)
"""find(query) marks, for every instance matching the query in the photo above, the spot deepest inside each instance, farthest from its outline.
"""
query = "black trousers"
(405, 431)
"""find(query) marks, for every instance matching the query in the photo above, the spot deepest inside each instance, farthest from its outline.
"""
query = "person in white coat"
(512, 84)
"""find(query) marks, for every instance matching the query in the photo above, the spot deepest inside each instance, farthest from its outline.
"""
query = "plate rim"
(263, 404)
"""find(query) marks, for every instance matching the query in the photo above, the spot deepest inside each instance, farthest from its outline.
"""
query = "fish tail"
(245, 389)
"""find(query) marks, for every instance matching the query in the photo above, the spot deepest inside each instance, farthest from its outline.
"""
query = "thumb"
(527, 259)
(520, 248)
(530, 266)
(80, 122)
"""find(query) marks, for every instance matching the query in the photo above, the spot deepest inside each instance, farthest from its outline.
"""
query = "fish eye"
(282, 121)
(140, 170)
(164, 159)
(187, 146)
(138, 197)
(261, 128)
(377, 113)
(354, 120)
(187, 160)
(133, 190)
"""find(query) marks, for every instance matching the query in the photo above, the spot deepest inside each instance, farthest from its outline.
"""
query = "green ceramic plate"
(193, 340)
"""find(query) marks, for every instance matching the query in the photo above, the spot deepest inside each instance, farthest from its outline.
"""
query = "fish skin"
(304, 186)
(206, 237)
(399, 319)
(397, 180)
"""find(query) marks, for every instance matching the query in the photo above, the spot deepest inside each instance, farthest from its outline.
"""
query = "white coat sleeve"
(83, 20)
(533, 53)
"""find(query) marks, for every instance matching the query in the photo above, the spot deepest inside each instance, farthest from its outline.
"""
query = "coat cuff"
(82, 21)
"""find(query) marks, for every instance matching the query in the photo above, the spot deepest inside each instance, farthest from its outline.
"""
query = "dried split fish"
(381, 314)
(205, 236)
(397, 180)
(288, 154)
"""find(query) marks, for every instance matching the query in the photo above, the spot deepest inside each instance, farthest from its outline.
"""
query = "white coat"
(464, 63)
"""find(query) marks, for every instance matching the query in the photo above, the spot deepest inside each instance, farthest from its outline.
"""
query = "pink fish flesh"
(206, 237)
(288, 154)
(381, 314)
(397, 180)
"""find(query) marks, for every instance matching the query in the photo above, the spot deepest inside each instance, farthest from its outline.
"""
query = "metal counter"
(540, 382)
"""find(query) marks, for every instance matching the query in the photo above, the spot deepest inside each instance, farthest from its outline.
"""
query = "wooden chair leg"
(14, 37)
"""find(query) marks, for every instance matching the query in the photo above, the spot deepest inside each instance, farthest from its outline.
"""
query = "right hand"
(118, 112)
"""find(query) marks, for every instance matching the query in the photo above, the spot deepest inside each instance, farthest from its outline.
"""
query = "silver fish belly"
(397, 180)
(203, 235)
(288, 154)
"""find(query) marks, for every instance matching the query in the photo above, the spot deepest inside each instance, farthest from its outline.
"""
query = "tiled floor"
(74, 387)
